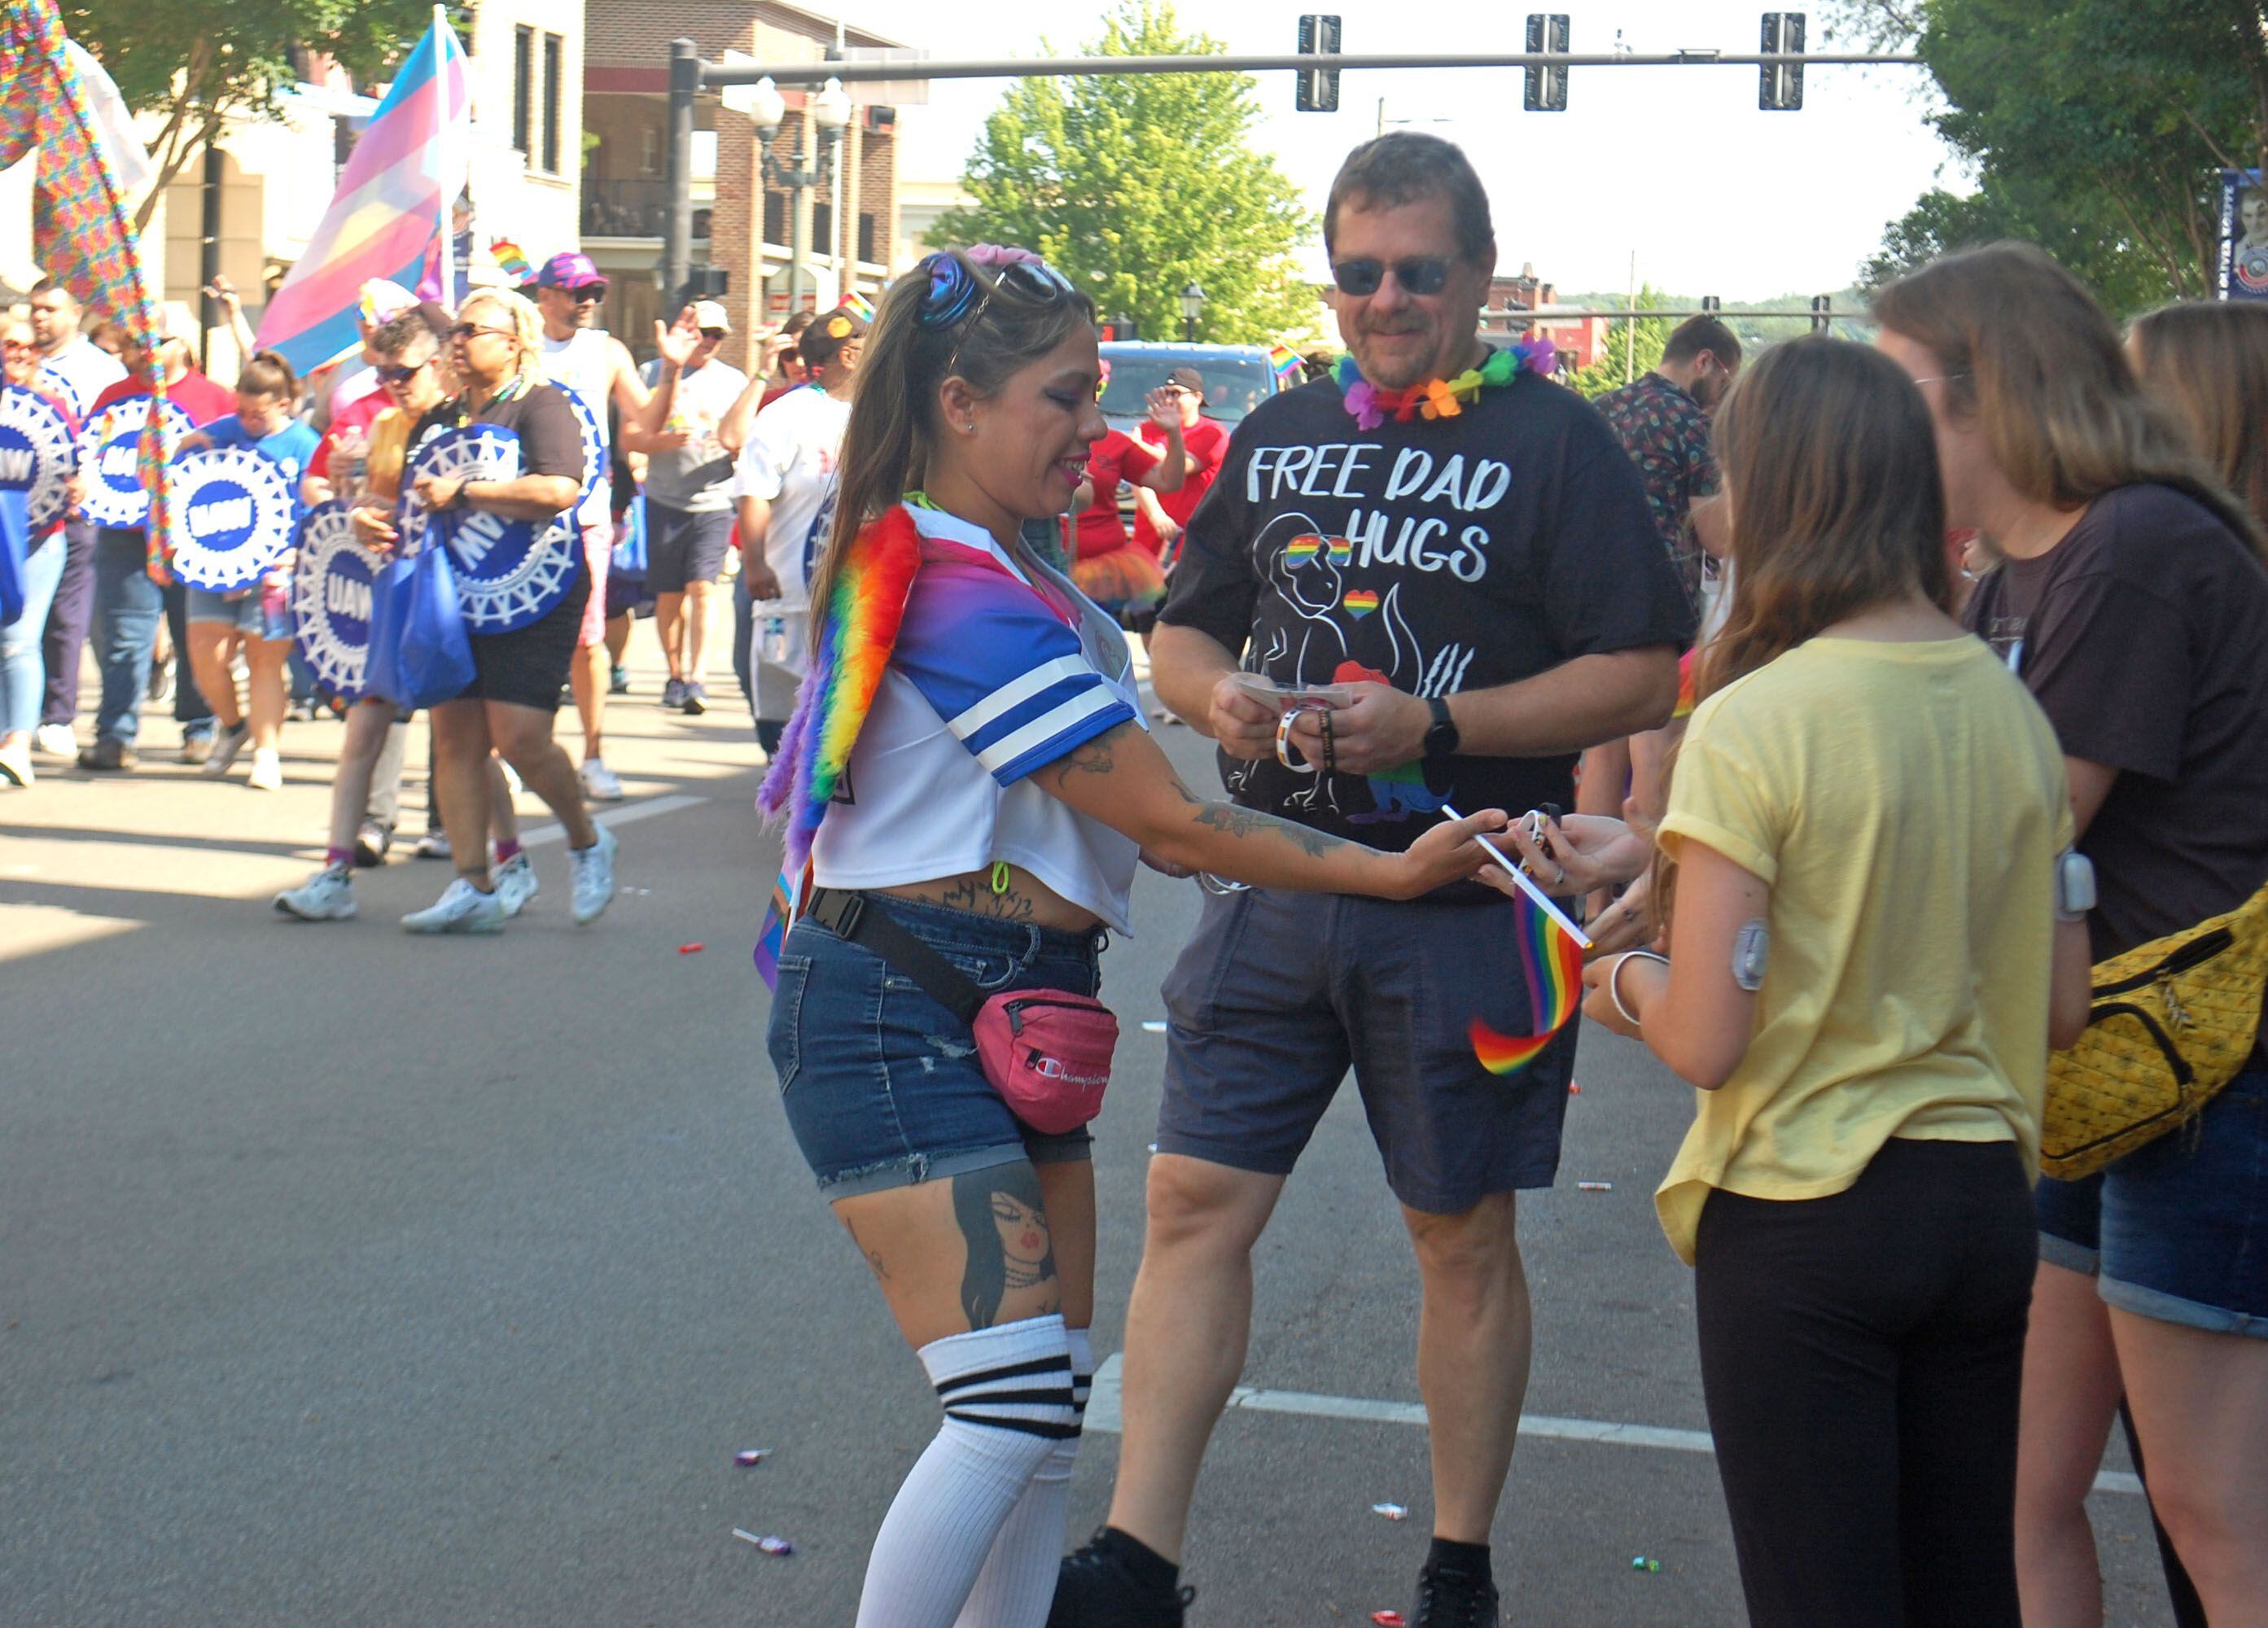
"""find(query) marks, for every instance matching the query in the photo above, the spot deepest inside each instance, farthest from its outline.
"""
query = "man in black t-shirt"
(1488, 586)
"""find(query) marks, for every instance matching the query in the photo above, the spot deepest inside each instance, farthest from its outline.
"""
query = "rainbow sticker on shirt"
(1554, 965)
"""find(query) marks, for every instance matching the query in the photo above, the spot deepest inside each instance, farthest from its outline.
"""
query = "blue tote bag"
(420, 654)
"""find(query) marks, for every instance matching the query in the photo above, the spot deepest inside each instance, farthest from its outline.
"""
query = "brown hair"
(1695, 334)
(2207, 363)
(1404, 166)
(2024, 346)
(892, 432)
(268, 373)
(1830, 469)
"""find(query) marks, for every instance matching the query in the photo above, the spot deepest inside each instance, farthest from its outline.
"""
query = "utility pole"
(1630, 327)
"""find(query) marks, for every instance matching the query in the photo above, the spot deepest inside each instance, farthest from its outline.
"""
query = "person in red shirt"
(1205, 443)
(1110, 568)
(128, 604)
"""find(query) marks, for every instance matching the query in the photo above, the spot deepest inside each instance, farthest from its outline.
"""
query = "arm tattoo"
(1091, 758)
(1232, 821)
(1004, 1223)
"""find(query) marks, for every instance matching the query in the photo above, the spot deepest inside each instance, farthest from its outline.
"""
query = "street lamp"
(1193, 305)
(831, 114)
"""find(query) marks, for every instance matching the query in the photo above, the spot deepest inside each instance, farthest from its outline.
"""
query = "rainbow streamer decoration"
(863, 617)
(407, 168)
(859, 305)
(511, 259)
(1554, 965)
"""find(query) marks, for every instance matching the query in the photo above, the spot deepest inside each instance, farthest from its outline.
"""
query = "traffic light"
(1779, 88)
(1319, 87)
(1121, 327)
(1547, 87)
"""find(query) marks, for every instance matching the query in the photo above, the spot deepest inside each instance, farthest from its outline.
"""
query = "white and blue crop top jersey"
(986, 684)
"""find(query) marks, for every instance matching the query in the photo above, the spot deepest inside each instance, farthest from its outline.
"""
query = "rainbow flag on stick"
(1551, 955)
(393, 201)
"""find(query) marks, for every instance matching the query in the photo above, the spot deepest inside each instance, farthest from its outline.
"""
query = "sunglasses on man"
(1423, 275)
(589, 293)
(392, 374)
(714, 335)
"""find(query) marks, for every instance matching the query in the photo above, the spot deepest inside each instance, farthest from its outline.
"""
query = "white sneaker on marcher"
(16, 765)
(462, 908)
(599, 784)
(326, 895)
(267, 771)
(55, 740)
(595, 877)
(516, 884)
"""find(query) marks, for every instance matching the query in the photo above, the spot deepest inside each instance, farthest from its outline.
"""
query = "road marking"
(1103, 1413)
(628, 813)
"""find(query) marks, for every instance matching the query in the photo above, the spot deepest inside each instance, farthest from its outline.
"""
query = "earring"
(969, 428)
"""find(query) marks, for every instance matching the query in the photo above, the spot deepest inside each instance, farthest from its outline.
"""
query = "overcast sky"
(1677, 164)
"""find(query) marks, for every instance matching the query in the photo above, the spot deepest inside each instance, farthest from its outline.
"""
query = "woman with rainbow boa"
(968, 765)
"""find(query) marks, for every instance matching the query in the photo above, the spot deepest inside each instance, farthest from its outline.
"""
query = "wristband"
(1615, 982)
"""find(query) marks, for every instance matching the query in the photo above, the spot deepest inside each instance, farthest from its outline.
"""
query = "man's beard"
(1413, 367)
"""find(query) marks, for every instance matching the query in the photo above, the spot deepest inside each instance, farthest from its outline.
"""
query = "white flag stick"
(1511, 862)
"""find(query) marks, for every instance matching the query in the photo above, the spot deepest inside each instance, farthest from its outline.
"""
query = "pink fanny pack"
(1047, 1052)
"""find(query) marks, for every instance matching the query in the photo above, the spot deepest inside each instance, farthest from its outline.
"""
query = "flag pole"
(443, 37)
(1511, 863)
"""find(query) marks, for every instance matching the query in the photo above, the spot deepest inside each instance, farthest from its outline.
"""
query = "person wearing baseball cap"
(594, 366)
(1205, 443)
(688, 508)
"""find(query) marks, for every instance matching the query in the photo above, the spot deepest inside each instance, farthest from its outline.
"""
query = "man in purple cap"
(584, 358)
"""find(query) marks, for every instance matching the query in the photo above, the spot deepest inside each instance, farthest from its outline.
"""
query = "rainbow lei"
(1441, 398)
(864, 614)
(1554, 965)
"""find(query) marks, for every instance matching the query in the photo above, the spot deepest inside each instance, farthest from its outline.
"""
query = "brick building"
(625, 197)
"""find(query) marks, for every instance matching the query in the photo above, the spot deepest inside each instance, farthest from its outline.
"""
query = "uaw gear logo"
(36, 454)
(508, 573)
(595, 442)
(109, 449)
(233, 512)
(2251, 269)
(330, 599)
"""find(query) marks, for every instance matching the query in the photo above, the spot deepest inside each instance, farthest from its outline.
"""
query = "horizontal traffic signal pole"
(716, 75)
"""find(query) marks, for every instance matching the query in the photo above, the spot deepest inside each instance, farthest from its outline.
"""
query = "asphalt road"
(352, 1278)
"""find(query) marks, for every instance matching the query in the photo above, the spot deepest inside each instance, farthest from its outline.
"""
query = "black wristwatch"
(1441, 738)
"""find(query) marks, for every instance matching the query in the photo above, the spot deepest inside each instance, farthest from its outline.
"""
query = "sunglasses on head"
(1426, 274)
(392, 374)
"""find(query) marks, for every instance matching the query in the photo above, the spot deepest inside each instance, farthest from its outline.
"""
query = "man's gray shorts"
(1278, 993)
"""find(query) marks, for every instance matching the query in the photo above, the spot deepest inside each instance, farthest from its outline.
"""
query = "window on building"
(822, 229)
(649, 150)
(775, 226)
(555, 72)
(523, 86)
(866, 239)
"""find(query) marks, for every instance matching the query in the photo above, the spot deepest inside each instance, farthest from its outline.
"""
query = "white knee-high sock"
(1007, 1397)
(1018, 1583)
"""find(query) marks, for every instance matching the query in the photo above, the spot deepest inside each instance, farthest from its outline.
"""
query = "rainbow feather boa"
(860, 629)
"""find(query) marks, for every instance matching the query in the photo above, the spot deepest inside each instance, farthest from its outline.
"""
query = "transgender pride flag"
(406, 170)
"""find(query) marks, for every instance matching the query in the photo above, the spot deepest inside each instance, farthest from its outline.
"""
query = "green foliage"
(1135, 186)
(2094, 127)
(1631, 349)
(201, 62)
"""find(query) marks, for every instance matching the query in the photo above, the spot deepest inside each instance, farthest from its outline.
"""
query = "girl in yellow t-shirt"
(1866, 818)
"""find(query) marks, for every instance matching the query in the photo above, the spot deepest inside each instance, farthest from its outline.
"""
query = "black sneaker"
(1095, 1588)
(1448, 1598)
(697, 700)
(673, 695)
(107, 755)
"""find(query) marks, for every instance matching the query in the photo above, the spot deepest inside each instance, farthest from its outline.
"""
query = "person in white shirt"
(689, 507)
(785, 485)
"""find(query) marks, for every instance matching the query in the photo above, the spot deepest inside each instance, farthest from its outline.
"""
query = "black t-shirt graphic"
(1437, 555)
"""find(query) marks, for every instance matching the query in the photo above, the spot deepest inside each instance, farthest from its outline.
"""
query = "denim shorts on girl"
(2178, 1230)
(882, 1085)
(241, 611)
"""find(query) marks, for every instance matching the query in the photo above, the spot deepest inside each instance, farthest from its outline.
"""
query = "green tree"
(2094, 127)
(202, 62)
(1631, 349)
(1135, 186)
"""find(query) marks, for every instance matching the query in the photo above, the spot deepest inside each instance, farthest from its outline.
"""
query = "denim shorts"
(1279, 993)
(242, 612)
(881, 1084)
(2178, 1229)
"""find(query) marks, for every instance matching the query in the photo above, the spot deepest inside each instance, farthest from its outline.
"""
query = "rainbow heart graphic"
(1359, 602)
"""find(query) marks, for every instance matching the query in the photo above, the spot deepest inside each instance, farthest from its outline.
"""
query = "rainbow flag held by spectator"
(859, 305)
(511, 259)
(407, 169)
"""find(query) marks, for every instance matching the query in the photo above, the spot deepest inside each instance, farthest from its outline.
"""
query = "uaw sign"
(109, 449)
(233, 516)
(595, 442)
(36, 454)
(508, 573)
(330, 599)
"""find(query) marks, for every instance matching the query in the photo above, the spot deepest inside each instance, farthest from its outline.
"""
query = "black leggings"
(1862, 1355)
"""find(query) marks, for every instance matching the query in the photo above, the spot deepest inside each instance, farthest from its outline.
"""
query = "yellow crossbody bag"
(2174, 1020)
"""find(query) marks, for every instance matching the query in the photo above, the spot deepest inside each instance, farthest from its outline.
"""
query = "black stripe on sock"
(1025, 1427)
(1044, 1398)
(1044, 1365)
